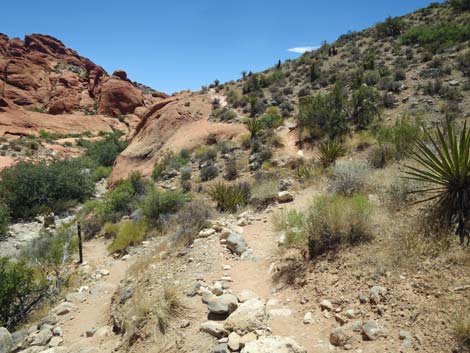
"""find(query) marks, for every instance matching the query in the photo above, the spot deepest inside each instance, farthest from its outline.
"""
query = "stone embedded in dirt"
(376, 294)
(234, 341)
(454, 83)
(284, 197)
(326, 305)
(51, 319)
(279, 313)
(35, 349)
(248, 317)
(340, 319)
(308, 318)
(63, 308)
(103, 331)
(357, 326)
(223, 305)
(57, 331)
(205, 233)
(246, 295)
(103, 272)
(6, 341)
(41, 338)
(225, 233)
(248, 255)
(76, 297)
(339, 337)
(207, 295)
(363, 299)
(214, 328)
(90, 332)
(56, 341)
(236, 243)
(125, 295)
(273, 344)
(371, 330)
(226, 267)
(221, 348)
(217, 288)
(191, 292)
(350, 314)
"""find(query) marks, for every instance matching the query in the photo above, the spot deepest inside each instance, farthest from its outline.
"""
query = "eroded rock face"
(119, 96)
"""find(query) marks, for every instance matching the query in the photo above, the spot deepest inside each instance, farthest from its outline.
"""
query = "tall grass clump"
(334, 221)
(130, 233)
(292, 225)
(229, 198)
(264, 192)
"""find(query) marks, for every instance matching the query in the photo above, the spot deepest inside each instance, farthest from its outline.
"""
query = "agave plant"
(254, 127)
(330, 151)
(228, 197)
(444, 165)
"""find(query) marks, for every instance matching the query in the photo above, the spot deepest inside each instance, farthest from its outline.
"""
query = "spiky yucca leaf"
(330, 151)
(445, 167)
(254, 127)
(228, 197)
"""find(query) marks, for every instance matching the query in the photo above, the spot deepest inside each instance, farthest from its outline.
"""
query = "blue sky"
(174, 45)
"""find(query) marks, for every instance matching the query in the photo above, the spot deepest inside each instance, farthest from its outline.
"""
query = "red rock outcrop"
(177, 122)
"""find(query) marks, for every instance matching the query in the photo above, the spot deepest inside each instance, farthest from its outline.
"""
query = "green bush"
(324, 114)
(334, 221)
(158, 205)
(392, 27)
(208, 172)
(463, 63)
(364, 106)
(270, 121)
(192, 218)
(104, 152)
(130, 233)
(460, 5)
(399, 140)
(229, 198)
(4, 220)
(28, 188)
(438, 36)
(231, 169)
(206, 153)
(101, 172)
(19, 291)
(171, 160)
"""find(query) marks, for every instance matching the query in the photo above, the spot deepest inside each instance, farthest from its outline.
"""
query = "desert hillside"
(321, 205)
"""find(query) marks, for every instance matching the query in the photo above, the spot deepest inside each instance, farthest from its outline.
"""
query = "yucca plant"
(330, 151)
(254, 127)
(229, 198)
(445, 167)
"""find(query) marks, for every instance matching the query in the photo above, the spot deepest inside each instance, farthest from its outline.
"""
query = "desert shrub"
(371, 77)
(399, 140)
(334, 221)
(158, 205)
(169, 306)
(330, 151)
(191, 219)
(208, 172)
(231, 169)
(292, 224)
(130, 233)
(445, 169)
(463, 63)
(111, 230)
(104, 152)
(391, 27)
(28, 188)
(460, 5)
(271, 120)
(206, 153)
(264, 192)
(379, 156)
(101, 172)
(169, 161)
(224, 114)
(19, 292)
(347, 178)
(4, 220)
(461, 328)
(364, 106)
(324, 114)
(399, 192)
(399, 75)
(254, 127)
(229, 198)
(437, 36)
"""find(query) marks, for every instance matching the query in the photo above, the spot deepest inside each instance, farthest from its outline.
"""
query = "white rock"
(308, 318)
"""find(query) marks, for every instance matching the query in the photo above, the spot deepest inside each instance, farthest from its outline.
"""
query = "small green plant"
(158, 205)
(330, 151)
(4, 220)
(130, 233)
(335, 221)
(445, 167)
(292, 224)
(208, 172)
(104, 152)
(229, 198)
(399, 140)
(169, 161)
(254, 127)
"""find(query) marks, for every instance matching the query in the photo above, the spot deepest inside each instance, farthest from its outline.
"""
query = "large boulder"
(236, 243)
(119, 97)
(223, 305)
(273, 344)
(247, 318)
(6, 341)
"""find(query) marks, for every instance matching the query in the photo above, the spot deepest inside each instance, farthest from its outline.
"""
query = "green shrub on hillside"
(130, 233)
(30, 188)
(264, 192)
(391, 27)
(104, 152)
(347, 178)
(158, 205)
(229, 198)
(463, 63)
(399, 140)
(169, 161)
(334, 221)
(330, 151)
(364, 106)
(19, 291)
(4, 220)
(460, 5)
(292, 225)
(437, 36)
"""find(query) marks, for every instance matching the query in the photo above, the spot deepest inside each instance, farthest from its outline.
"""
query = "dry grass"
(169, 306)
(461, 328)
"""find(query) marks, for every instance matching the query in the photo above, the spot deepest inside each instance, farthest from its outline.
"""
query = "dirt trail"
(94, 312)
(255, 276)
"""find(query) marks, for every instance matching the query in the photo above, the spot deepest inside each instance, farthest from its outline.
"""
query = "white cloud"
(301, 50)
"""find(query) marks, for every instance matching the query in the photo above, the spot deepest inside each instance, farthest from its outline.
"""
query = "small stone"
(234, 341)
(338, 337)
(350, 314)
(57, 331)
(326, 305)
(226, 267)
(236, 243)
(221, 348)
(357, 326)
(104, 272)
(341, 320)
(405, 335)
(205, 233)
(104, 331)
(214, 329)
(41, 338)
(371, 330)
(308, 318)
(376, 294)
(363, 299)
(284, 197)
(90, 332)
(249, 337)
(279, 313)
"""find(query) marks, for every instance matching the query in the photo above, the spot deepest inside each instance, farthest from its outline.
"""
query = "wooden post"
(80, 247)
